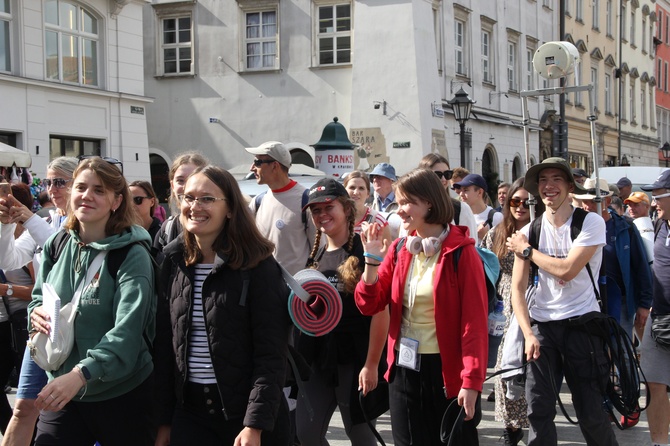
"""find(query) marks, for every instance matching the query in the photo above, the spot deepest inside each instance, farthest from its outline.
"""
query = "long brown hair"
(123, 217)
(424, 184)
(239, 240)
(349, 271)
(507, 226)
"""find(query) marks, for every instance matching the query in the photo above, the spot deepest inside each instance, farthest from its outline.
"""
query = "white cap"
(275, 150)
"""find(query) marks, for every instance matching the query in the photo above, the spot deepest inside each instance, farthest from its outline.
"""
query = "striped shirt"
(200, 369)
(371, 216)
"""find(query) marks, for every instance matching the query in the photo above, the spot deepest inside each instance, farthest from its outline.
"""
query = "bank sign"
(335, 162)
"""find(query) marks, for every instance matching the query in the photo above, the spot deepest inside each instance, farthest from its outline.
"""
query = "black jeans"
(200, 421)
(418, 402)
(121, 421)
(7, 361)
(580, 357)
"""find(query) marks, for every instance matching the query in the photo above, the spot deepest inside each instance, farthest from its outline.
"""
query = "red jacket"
(461, 308)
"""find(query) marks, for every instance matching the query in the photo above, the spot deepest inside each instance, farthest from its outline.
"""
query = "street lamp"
(462, 106)
(666, 152)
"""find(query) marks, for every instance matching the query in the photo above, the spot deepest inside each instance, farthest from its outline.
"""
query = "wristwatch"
(10, 290)
(84, 371)
(527, 252)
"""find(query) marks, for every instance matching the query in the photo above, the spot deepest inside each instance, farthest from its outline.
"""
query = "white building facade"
(229, 75)
(71, 81)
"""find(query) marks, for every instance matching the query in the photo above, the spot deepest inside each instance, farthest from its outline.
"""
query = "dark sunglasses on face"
(447, 174)
(516, 202)
(258, 163)
(113, 161)
(58, 183)
(139, 200)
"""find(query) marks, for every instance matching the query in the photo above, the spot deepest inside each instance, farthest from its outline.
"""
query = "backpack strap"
(398, 247)
(58, 243)
(257, 201)
(657, 227)
(489, 219)
(246, 279)
(457, 211)
(303, 203)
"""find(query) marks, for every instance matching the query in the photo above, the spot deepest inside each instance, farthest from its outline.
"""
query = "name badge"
(408, 354)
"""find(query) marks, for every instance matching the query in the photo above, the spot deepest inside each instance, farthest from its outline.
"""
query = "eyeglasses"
(593, 191)
(259, 162)
(113, 161)
(139, 200)
(665, 195)
(447, 174)
(58, 183)
(516, 202)
(204, 202)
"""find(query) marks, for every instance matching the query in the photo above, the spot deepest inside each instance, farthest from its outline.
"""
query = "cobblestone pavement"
(490, 430)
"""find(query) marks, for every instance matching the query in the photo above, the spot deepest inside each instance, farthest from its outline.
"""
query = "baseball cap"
(554, 162)
(384, 170)
(637, 197)
(623, 182)
(591, 191)
(576, 171)
(275, 150)
(472, 179)
(325, 191)
(662, 182)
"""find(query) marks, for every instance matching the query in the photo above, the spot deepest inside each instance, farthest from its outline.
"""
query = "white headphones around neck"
(429, 246)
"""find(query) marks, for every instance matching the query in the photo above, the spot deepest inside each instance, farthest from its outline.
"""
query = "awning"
(10, 156)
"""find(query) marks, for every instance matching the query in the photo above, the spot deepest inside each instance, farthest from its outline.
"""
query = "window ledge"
(645, 126)
(331, 67)
(260, 71)
(175, 76)
(609, 114)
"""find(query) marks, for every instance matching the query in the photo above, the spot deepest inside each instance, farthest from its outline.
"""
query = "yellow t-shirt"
(418, 312)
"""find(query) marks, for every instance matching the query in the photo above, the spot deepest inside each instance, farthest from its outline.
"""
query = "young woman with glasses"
(222, 324)
(145, 201)
(15, 254)
(516, 215)
(103, 390)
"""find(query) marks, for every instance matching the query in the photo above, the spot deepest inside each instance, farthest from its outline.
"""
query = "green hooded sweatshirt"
(116, 318)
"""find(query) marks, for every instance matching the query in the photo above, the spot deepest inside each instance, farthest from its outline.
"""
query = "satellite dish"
(554, 60)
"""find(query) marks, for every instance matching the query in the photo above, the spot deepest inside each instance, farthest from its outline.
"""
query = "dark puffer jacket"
(247, 332)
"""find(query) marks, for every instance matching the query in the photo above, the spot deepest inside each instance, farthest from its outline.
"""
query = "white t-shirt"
(483, 216)
(646, 228)
(555, 299)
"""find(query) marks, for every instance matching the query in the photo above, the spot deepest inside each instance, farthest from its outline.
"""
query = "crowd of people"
(183, 337)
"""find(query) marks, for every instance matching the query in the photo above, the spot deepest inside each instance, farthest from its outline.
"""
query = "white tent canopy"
(10, 156)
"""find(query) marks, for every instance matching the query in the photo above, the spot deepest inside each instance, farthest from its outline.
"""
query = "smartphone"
(5, 189)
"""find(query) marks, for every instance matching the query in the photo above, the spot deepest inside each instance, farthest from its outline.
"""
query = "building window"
(665, 77)
(595, 14)
(643, 104)
(579, 6)
(460, 47)
(439, 37)
(652, 115)
(261, 40)
(631, 95)
(72, 146)
(530, 72)
(667, 29)
(644, 34)
(512, 81)
(632, 26)
(659, 70)
(334, 34)
(622, 105)
(567, 8)
(623, 22)
(5, 48)
(608, 18)
(487, 66)
(608, 94)
(596, 85)
(651, 37)
(177, 45)
(578, 81)
(71, 43)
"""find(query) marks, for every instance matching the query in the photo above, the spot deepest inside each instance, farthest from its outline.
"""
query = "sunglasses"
(258, 163)
(665, 195)
(447, 174)
(139, 200)
(204, 202)
(58, 183)
(516, 202)
(113, 161)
